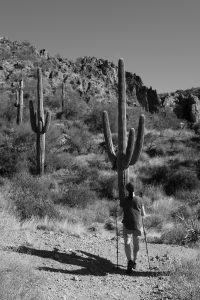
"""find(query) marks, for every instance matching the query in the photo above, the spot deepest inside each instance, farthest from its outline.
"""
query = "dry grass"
(74, 221)
(18, 281)
(65, 226)
(185, 279)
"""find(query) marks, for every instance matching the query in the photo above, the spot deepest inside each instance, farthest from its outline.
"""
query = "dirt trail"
(71, 267)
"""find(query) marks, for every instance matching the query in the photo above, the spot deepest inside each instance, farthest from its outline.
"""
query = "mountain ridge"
(93, 78)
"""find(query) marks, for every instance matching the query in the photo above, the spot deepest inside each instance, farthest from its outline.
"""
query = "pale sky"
(158, 39)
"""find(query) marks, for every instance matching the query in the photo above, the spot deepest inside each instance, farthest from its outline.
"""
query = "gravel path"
(71, 267)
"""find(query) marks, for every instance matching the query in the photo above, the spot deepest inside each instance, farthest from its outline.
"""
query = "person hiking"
(132, 211)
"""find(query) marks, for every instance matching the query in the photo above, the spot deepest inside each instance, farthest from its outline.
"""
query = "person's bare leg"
(136, 247)
(127, 246)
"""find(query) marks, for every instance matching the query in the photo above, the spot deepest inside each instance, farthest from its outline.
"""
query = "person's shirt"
(133, 210)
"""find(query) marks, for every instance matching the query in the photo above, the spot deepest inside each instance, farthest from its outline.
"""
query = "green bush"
(30, 197)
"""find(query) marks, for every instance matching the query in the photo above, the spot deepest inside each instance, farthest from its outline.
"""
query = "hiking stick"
(145, 237)
(117, 240)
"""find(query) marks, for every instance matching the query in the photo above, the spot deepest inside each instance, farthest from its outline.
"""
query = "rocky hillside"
(92, 78)
(186, 104)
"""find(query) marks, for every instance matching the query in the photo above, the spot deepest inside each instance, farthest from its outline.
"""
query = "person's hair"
(130, 187)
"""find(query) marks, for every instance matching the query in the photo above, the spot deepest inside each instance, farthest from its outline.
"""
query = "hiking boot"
(129, 267)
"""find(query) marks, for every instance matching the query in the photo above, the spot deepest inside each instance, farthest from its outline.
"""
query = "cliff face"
(186, 104)
(94, 79)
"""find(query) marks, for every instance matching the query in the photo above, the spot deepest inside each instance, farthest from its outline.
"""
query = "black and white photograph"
(99, 150)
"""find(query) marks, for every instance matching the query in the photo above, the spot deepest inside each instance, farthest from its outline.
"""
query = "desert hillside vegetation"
(79, 188)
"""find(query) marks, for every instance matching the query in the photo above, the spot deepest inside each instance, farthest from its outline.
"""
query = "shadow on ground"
(89, 264)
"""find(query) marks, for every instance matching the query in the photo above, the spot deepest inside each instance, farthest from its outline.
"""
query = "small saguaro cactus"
(63, 97)
(128, 152)
(39, 124)
(19, 103)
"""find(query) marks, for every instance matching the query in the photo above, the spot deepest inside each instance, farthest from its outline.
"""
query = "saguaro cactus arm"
(139, 141)
(129, 149)
(32, 116)
(47, 122)
(108, 139)
(17, 98)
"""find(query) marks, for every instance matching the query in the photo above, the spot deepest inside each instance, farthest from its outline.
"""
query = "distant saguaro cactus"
(128, 153)
(39, 125)
(63, 97)
(19, 103)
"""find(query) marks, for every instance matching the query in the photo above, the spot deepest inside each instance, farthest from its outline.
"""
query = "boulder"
(194, 109)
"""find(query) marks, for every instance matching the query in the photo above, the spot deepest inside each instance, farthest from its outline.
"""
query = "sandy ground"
(61, 266)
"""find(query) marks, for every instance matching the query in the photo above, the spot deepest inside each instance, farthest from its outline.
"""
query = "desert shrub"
(30, 197)
(8, 162)
(183, 211)
(106, 185)
(184, 281)
(133, 116)
(75, 107)
(53, 137)
(94, 117)
(183, 179)
(78, 196)
(163, 119)
(189, 197)
(98, 163)
(17, 145)
(158, 150)
(55, 162)
(153, 221)
(110, 224)
(80, 173)
(153, 145)
(95, 212)
(53, 102)
(158, 175)
(80, 139)
(175, 235)
(153, 193)
(8, 111)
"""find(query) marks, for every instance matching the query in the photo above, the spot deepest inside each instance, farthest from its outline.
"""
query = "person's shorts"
(134, 232)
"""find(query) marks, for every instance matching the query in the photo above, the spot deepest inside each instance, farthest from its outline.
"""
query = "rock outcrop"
(185, 104)
(94, 79)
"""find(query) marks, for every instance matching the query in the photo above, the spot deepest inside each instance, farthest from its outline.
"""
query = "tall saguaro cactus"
(128, 151)
(39, 124)
(19, 103)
